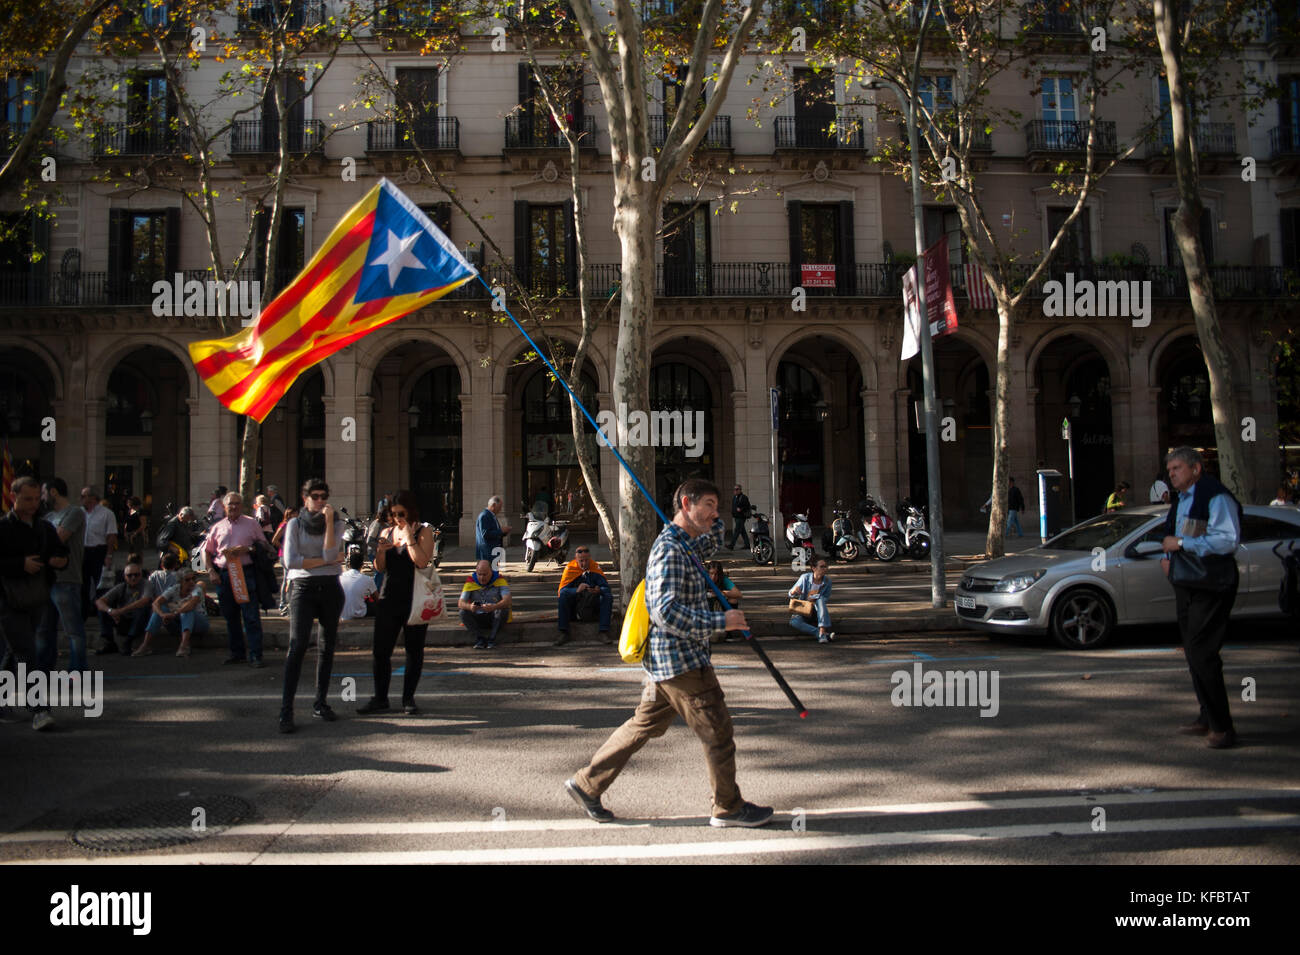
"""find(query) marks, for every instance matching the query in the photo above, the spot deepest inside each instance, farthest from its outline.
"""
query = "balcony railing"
(712, 280)
(411, 15)
(260, 137)
(441, 132)
(1212, 139)
(523, 132)
(1037, 18)
(134, 139)
(718, 137)
(797, 132)
(262, 15)
(1068, 136)
(1284, 141)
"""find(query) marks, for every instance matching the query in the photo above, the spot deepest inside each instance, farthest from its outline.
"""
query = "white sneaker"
(42, 720)
(830, 635)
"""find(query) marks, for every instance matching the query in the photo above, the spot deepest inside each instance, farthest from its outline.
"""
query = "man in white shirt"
(100, 542)
(356, 588)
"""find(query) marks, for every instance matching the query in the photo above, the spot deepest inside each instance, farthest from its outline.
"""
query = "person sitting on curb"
(358, 589)
(180, 609)
(729, 590)
(815, 586)
(584, 593)
(484, 604)
(124, 610)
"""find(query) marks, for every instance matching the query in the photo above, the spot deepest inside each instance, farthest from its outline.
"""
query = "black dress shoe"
(373, 706)
(409, 707)
(591, 807)
(286, 723)
(1224, 740)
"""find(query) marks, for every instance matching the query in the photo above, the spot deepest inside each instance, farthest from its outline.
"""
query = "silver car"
(1088, 580)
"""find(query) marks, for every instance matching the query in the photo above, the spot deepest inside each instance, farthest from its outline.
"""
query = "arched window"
(675, 387)
(799, 447)
(434, 416)
(551, 473)
(130, 407)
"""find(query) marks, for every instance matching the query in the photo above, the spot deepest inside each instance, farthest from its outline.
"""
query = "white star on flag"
(399, 256)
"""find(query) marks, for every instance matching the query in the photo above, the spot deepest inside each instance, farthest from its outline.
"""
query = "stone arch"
(46, 356)
(422, 369)
(1115, 359)
(733, 358)
(855, 347)
(100, 367)
(373, 348)
(503, 361)
(1169, 339)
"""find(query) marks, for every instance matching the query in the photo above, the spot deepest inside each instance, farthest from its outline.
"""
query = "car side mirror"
(1146, 549)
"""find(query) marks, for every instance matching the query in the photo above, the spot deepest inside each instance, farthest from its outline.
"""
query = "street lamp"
(413, 415)
(146, 421)
(938, 584)
(1075, 405)
(823, 409)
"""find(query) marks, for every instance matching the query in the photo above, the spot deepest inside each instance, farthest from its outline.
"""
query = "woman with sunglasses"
(313, 563)
(403, 547)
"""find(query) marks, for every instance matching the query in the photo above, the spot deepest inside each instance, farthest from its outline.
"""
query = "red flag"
(939, 302)
(977, 288)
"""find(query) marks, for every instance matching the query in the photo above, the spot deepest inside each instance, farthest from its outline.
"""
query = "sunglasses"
(319, 496)
(399, 513)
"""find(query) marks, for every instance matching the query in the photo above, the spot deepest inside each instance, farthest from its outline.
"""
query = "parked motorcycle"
(916, 539)
(354, 533)
(882, 536)
(545, 537)
(798, 537)
(437, 543)
(760, 535)
(840, 540)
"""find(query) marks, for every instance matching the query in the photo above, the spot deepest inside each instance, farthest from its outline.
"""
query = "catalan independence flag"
(384, 260)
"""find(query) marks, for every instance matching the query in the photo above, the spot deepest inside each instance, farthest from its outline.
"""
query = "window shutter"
(570, 250)
(795, 210)
(521, 243)
(119, 252)
(845, 267)
(525, 85)
(172, 243)
(576, 105)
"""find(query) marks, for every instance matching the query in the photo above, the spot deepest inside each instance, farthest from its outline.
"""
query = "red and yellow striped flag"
(384, 260)
(7, 474)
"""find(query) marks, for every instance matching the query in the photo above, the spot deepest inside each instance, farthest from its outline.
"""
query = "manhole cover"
(155, 825)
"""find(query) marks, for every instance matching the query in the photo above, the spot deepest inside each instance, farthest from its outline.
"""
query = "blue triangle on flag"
(407, 254)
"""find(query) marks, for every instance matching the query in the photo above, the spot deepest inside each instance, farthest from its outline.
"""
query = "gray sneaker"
(750, 816)
(42, 720)
(591, 807)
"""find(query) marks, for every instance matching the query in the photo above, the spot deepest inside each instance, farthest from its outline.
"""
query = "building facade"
(98, 388)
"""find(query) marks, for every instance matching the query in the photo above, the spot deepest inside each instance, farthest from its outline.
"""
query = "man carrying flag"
(384, 260)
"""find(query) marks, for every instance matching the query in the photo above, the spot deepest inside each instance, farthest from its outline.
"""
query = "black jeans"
(92, 565)
(388, 623)
(128, 629)
(485, 626)
(20, 631)
(1203, 623)
(318, 598)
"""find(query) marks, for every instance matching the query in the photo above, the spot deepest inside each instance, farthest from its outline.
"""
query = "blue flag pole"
(717, 592)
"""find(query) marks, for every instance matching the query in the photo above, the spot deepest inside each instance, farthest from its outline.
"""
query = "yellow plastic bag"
(636, 628)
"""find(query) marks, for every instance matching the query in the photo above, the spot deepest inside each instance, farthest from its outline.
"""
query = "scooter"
(354, 534)
(545, 537)
(883, 539)
(760, 534)
(437, 543)
(839, 540)
(916, 539)
(798, 537)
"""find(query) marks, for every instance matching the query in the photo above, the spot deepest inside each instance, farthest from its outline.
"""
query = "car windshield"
(1101, 531)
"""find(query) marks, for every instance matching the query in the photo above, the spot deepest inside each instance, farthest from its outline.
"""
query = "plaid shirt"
(678, 600)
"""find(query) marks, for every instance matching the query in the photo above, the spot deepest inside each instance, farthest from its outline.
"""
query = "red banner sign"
(939, 303)
(817, 276)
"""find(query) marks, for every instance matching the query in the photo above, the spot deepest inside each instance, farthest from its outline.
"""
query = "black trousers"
(19, 628)
(1203, 624)
(92, 565)
(311, 599)
(388, 624)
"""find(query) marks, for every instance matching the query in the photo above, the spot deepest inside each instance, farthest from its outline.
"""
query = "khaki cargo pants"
(697, 697)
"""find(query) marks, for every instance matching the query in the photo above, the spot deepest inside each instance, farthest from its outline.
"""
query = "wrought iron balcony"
(1212, 139)
(523, 132)
(797, 132)
(441, 132)
(264, 15)
(1068, 136)
(718, 137)
(412, 15)
(1047, 18)
(259, 137)
(713, 280)
(135, 139)
(1284, 141)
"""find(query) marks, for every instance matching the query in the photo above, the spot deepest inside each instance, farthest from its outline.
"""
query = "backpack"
(636, 628)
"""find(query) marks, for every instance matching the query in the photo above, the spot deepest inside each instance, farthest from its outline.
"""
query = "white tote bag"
(426, 597)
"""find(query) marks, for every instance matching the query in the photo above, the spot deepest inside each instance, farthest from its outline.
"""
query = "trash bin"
(1051, 503)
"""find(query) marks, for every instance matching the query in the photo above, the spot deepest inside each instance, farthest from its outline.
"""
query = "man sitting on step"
(584, 595)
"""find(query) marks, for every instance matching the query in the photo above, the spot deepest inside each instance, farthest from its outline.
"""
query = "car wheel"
(1082, 619)
(763, 552)
(850, 551)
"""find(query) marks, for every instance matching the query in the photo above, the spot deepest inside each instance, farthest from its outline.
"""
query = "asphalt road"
(476, 777)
